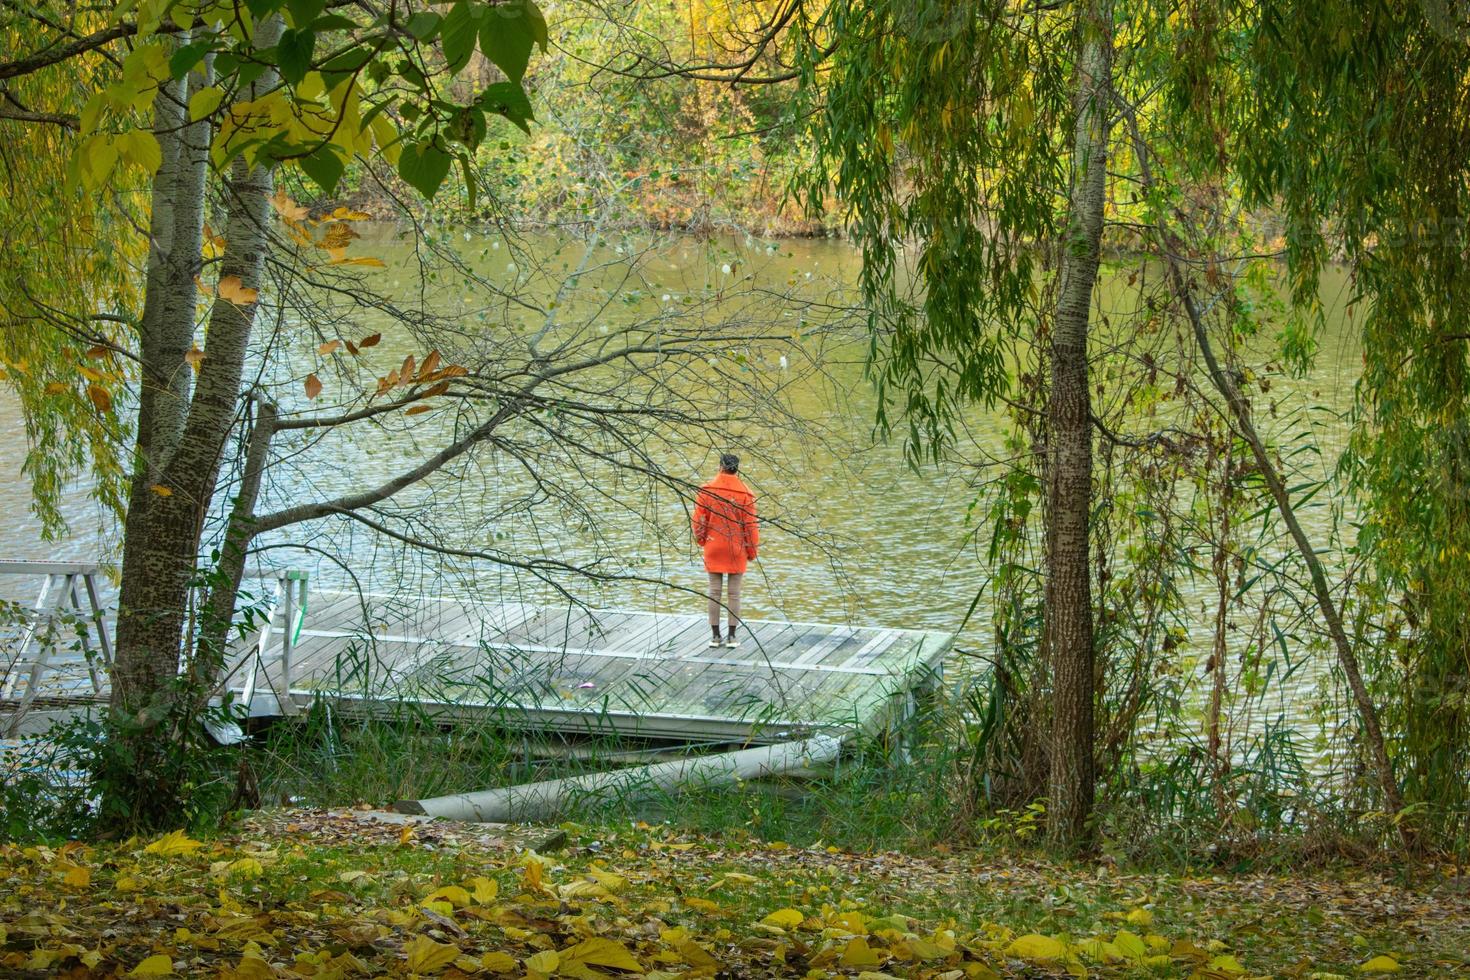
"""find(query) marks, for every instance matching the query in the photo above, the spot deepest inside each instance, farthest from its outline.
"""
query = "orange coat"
(724, 524)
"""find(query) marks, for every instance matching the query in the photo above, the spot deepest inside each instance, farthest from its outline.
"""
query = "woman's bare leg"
(734, 600)
(716, 582)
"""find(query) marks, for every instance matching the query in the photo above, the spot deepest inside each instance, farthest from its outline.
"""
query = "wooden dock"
(550, 668)
(589, 671)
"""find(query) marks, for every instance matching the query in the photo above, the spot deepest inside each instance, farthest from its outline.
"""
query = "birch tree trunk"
(1068, 613)
(172, 496)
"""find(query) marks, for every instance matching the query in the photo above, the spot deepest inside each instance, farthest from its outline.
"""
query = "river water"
(858, 536)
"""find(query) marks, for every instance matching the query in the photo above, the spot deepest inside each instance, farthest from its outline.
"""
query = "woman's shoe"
(731, 643)
(715, 643)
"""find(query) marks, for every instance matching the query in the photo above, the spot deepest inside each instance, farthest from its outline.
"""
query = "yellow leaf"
(253, 967)
(246, 867)
(140, 147)
(785, 918)
(77, 876)
(484, 890)
(1225, 963)
(194, 357)
(328, 347)
(857, 953)
(1140, 917)
(601, 952)
(161, 490)
(1034, 946)
(1130, 945)
(873, 975)
(313, 388)
(427, 956)
(56, 388)
(366, 260)
(454, 894)
(1381, 964)
(696, 955)
(157, 965)
(925, 950)
(498, 963)
(406, 834)
(545, 961)
(174, 843)
(233, 289)
(205, 101)
(88, 373)
(127, 883)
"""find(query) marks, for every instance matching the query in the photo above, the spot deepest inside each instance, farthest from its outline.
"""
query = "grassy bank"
(343, 893)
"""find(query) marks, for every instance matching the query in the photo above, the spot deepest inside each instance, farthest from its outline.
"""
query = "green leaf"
(205, 101)
(423, 24)
(537, 21)
(345, 63)
(424, 166)
(507, 36)
(333, 22)
(92, 112)
(509, 100)
(259, 8)
(188, 56)
(457, 35)
(303, 12)
(471, 185)
(325, 168)
(293, 53)
(467, 126)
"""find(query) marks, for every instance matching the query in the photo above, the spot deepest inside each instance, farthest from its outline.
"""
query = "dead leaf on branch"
(100, 397)
(313, 386)
(231, 288)
(286, 207)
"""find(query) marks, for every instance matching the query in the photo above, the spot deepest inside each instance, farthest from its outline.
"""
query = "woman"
(724, 525)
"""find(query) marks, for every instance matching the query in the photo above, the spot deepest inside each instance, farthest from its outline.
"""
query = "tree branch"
(353, 501)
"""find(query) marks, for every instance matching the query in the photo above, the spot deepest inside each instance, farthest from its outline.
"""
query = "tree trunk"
(1219, 753)
(173, 490)
(1069, 444)
(219, 607)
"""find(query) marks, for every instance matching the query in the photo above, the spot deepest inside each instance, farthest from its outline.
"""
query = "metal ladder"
(289, 598)
(31, 659)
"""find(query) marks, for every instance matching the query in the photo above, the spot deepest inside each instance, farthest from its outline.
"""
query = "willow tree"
(68, 264)
(958, 128)
(1358, 129)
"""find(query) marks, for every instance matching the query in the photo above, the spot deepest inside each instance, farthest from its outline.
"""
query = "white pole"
(548, 800)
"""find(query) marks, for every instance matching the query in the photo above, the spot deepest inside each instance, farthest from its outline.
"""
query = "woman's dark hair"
(729, 462)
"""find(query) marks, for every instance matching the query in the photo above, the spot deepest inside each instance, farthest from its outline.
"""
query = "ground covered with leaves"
(357, 893)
